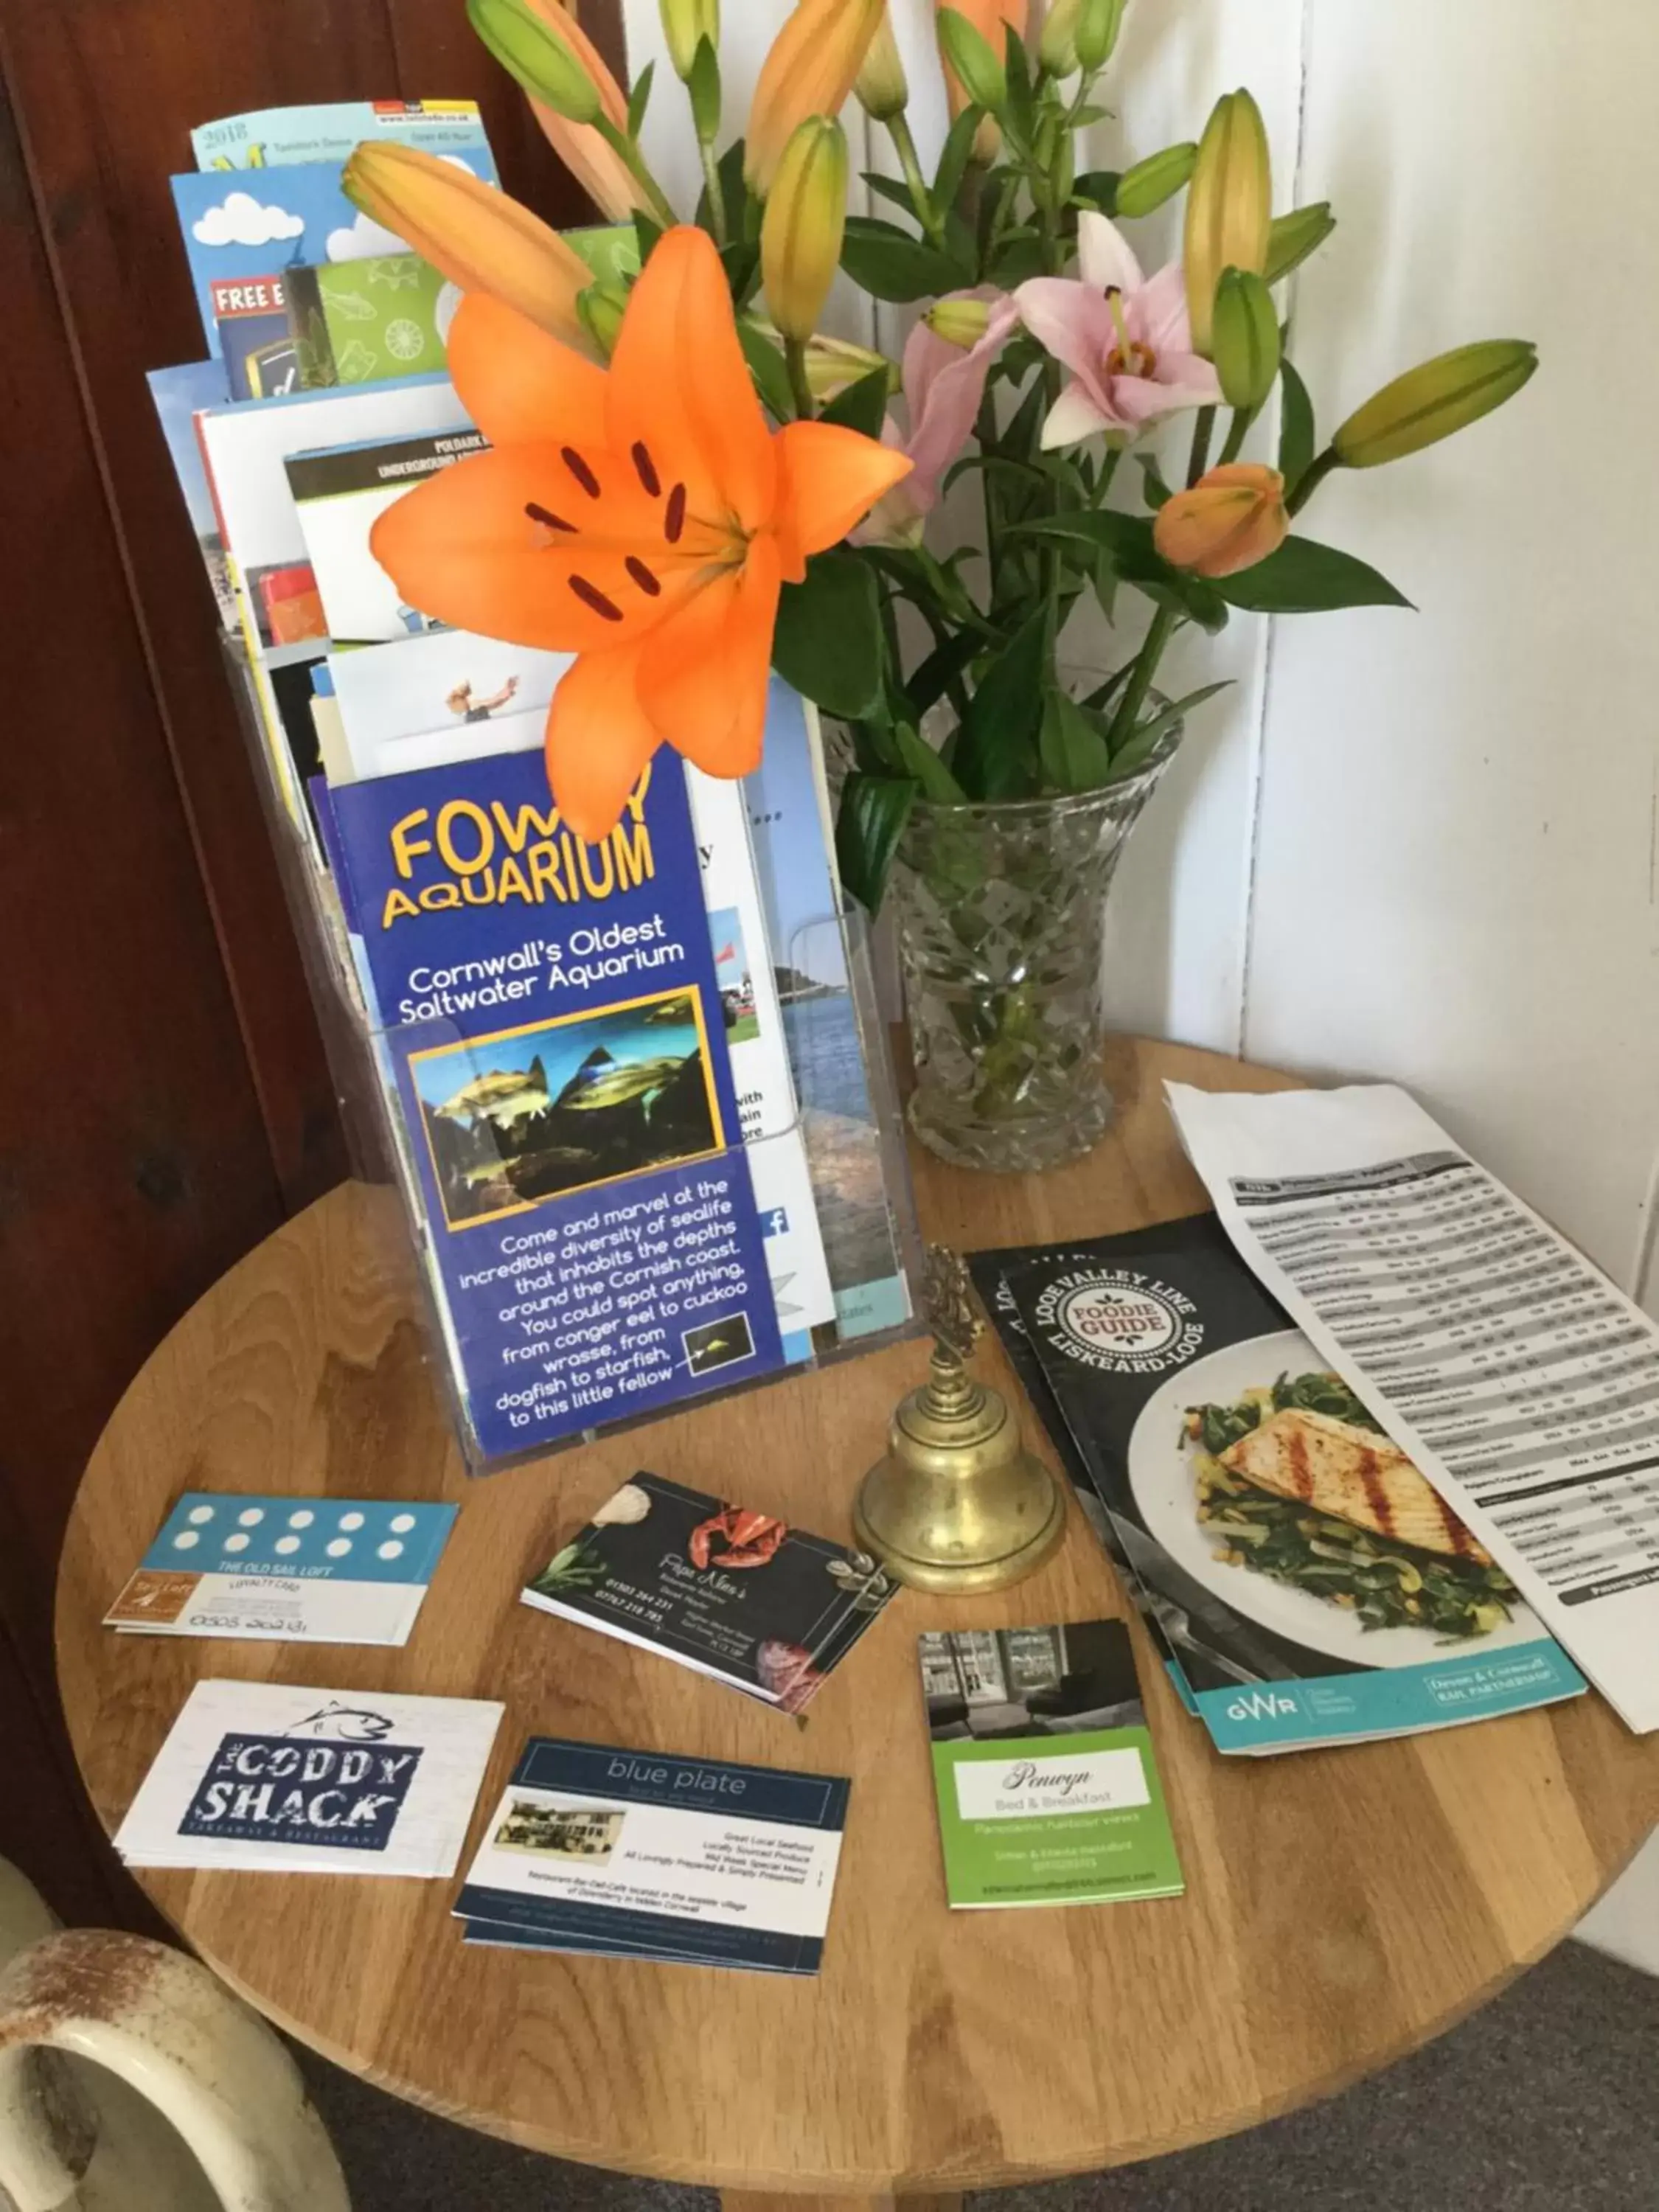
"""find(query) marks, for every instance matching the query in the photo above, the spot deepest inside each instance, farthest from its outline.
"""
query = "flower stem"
(1203, 429)
(714, 188)
(1237, 431)
(1311, 479)
(794, 356)
(619, 142)
(922, 200)
(1134, 692)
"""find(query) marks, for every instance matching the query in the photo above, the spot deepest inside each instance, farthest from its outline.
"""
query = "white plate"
(1164, 1487)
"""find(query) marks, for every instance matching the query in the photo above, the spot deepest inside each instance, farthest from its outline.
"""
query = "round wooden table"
(1341, 1907)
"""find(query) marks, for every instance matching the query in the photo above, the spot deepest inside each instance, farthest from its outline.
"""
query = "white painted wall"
(1423, 846)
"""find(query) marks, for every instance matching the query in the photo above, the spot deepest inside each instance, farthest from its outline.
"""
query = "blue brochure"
(245, 225)
(553, 1016)
(646, 1854)
(272, 137)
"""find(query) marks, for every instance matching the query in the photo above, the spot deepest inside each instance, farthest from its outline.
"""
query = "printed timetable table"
(1529, 1375)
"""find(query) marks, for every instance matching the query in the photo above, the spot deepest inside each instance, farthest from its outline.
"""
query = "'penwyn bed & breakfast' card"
(1049, 1793)
(641, 1854)
(279, 1779)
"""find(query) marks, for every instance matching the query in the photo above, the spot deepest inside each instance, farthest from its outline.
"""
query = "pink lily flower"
(1124, 336)
(943, 383)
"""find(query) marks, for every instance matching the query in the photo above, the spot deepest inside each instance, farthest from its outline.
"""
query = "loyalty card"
(286, 1570)
(650, 1855)
(263, 1775)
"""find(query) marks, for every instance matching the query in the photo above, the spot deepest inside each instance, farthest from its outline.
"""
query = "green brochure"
(1049, 1793)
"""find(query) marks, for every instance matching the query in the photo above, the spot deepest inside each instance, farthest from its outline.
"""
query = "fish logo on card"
(272, 1789)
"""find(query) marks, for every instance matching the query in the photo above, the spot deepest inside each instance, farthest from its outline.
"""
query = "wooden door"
(164, 1099)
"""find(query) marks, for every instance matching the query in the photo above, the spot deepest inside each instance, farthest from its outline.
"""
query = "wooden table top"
(1341, 1906)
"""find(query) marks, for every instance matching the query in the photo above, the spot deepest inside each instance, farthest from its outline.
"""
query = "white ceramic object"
(131, 2081)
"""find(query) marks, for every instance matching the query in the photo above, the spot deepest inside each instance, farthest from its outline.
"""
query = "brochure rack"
(842, 1127)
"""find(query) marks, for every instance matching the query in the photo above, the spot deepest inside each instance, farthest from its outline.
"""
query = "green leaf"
(924, 765)
(889, 264)
(1304, 577)
(828, 641)
(874, 810)
(1157, 492)
(861, 406)
(954, 159)
(639, 98)
(875, 748)
(1296, 434)
(889, 188)
(1102, 696)
(703, 89)
(647, 230)
(1072, 750)
(1020, 118)
(1123, 536)
(934, 677)
(1097, 188)
(993, 754)
(766, 366)
(1141, 746)
(1019, 256)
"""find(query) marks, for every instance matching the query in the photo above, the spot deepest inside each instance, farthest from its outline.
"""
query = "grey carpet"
(1547, 2101)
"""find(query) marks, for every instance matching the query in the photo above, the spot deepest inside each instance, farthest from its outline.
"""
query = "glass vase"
(1001, 916)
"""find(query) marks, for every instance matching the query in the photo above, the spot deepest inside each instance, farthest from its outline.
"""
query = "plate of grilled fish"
(1263, 1474)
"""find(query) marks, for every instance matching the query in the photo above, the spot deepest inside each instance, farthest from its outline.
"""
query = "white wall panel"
(1454, 882)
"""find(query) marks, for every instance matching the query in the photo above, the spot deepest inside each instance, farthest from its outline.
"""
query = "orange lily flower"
(598, 168)
(641, 517)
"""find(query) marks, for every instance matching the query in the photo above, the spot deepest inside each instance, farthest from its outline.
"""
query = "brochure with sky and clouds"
(258, 222)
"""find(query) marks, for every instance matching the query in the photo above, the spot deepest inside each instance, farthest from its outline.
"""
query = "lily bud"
(1144, 189)
(1098, 24)
(474, 236)
(834, 363)
(880, 85)
(1231, 519)
(801, 231)
(1230, 207)
(1057, 47)
(808, 70)
(960, 320)
(529, 48)
(972, 61)
(1246, 339)
(1430, 402)
(1294, 236)
(685, 25)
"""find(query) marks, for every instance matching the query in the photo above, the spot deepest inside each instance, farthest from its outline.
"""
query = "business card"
(274, 1777)
(633, 1854)
(728, 1590)
(1049, 1792)
(285, 1569)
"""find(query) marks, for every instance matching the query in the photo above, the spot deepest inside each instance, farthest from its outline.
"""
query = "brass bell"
(957, 1503)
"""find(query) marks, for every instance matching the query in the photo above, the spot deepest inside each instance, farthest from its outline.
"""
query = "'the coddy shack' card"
(269, 1776)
